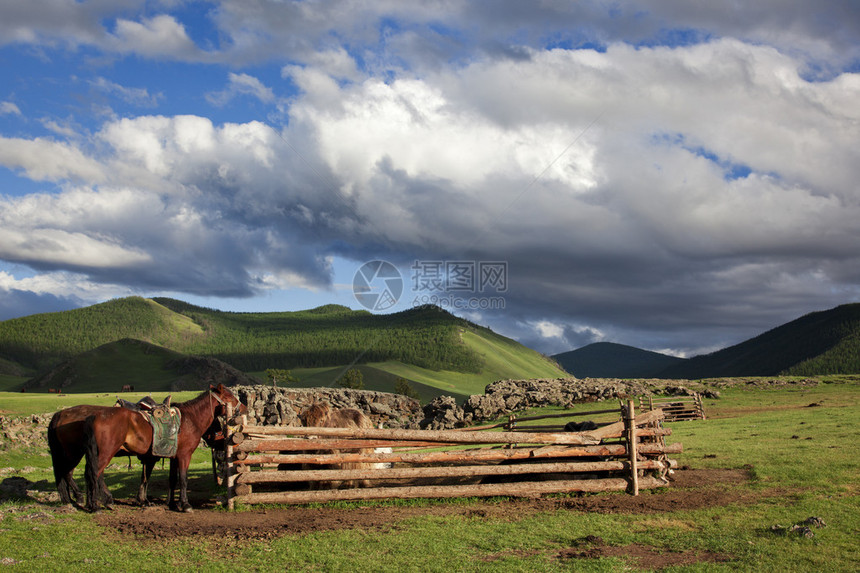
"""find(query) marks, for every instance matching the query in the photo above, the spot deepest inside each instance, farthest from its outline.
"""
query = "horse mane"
(199, 406)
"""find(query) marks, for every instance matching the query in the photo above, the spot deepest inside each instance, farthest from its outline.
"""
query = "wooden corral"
(626, 454)
(676, 408)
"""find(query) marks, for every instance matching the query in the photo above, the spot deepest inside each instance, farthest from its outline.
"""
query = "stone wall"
(281, 406)
(268, 405)
(506, 396)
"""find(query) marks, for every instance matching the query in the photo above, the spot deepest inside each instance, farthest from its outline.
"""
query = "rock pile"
(506, 396)
(24, 431)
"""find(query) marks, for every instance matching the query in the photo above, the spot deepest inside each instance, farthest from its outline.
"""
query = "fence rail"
(288, 464)
(676, 408)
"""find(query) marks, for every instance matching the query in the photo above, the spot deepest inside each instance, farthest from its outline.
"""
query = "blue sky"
(664, 174)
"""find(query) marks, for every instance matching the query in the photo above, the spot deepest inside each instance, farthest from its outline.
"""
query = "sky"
(677, 176)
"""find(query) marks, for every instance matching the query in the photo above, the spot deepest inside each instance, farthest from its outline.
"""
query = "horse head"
(224, 396)
(316, 414)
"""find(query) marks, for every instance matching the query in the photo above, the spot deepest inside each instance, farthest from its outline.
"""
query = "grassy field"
(799, 444)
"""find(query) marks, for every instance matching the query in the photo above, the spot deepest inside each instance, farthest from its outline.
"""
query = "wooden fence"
(676, 408)
(289, 464)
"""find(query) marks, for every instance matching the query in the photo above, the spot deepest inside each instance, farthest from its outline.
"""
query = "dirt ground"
(692, 489)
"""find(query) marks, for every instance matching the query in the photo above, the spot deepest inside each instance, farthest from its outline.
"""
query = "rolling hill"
(824, 342)
(426, 345)
(611, 360)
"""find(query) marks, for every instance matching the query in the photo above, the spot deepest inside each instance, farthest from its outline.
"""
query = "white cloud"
(136, 96)
(64, 285)
(54, 126)
(548, 329)
(241, 84)
(161, 35)
(72, 250)
(9, 108)
(47, 160)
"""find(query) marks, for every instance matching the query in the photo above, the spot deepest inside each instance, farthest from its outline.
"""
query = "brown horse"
(114, 429)
(67, 444)
(322, 415)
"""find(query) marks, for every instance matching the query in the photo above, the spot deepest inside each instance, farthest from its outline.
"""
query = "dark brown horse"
(113, 429)
(322, 415)
(67, 444)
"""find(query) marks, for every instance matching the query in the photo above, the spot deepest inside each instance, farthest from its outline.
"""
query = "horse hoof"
(187, 509)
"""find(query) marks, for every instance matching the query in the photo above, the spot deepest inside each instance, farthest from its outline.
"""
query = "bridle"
(217, 397)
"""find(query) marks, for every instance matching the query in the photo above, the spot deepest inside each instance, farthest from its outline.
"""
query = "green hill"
(825, 342)
(611, 360)
(41, 341)
(427, 345)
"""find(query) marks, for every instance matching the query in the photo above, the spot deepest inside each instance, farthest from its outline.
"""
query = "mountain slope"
(611, 360)
(815, 340)
(41, 341)
(426, 345)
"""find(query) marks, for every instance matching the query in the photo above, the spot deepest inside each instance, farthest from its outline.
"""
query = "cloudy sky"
(673, 175)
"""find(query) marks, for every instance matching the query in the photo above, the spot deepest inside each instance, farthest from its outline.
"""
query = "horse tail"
(57, 461)
(92, 454)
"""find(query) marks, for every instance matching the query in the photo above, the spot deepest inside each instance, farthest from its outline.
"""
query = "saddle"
(144, 405)
(165, 420)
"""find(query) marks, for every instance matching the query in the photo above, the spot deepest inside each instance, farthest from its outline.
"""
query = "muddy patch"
(638, 555)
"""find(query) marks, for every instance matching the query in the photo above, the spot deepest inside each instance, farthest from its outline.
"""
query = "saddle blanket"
(165, 422)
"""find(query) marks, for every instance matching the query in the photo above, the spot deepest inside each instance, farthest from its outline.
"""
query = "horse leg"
(145, 473)
(66, 485)
(97, 460)
(171, 501)
(107, 496)
(184, 506)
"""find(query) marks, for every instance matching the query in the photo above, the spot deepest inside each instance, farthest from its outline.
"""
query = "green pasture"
(20, 404)
(799, 444)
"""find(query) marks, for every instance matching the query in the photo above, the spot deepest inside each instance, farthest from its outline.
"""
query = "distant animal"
(128, 388)
(114, 429)
(321, 414)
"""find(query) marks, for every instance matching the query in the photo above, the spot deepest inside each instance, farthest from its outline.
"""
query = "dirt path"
(692, 489)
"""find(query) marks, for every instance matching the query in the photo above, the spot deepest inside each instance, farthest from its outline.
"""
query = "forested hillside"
(824, 342)
(40, 341)
(328, 335)
(427, 337)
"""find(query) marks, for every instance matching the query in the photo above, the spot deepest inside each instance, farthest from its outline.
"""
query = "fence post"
(229, 477)
(630, 426)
